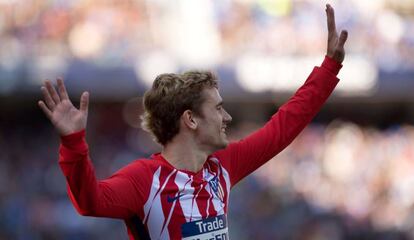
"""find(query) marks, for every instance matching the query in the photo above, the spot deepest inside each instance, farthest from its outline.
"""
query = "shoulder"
(223, 157)
(139, 167)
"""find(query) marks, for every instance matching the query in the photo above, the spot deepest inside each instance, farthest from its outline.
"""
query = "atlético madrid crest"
(217, 189)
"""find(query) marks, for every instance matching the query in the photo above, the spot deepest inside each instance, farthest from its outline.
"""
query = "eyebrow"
(219, 104)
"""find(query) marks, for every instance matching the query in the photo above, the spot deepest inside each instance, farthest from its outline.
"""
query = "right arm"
(117, 197)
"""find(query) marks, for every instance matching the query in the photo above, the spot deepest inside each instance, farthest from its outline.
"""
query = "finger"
(46, 110)
(84, 102)
(330, 19)
(52, 91)
(62, 89)
(342, 38)
(48, 99)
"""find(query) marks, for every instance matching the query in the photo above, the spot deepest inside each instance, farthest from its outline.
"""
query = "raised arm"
(115, 197)
(243, 157)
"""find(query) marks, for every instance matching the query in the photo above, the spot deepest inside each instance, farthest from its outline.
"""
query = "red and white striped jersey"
(183, 200)
(158, 201)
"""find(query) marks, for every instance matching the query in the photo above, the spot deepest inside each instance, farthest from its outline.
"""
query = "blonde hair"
(170, 95)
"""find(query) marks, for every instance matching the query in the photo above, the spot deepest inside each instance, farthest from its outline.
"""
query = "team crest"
(217, 189)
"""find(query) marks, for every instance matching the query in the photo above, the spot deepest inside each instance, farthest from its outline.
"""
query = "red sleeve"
(119, 196)
(243, 157)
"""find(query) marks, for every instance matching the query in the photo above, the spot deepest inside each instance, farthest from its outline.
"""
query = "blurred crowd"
(42, 38)
(337, 181)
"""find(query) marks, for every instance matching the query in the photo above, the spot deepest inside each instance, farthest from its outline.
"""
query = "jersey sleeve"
(119, 196)
(243, 157)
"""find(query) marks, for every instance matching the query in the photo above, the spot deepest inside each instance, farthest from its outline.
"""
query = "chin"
(224, 144)
(218, 144)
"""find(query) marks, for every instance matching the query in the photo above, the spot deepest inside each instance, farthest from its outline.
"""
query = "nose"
(227, 118)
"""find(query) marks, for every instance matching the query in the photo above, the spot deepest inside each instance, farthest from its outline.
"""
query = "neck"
(184, 154)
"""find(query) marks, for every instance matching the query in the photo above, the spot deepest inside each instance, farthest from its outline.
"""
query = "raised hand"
(59, 109)
(335, 44)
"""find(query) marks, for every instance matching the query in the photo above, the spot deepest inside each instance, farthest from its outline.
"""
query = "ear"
(189, 120)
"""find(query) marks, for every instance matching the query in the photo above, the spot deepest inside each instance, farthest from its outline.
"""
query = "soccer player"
(183, 192)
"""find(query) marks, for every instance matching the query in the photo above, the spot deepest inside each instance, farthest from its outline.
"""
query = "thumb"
(84, 102)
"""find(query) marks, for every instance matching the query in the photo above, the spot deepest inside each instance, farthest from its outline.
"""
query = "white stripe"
(187, 201)
(154, 188)
(227, 180)
(184, 185)
(217, 204)
(208, 206)
(165, 229)
(155, 218)
(196, 210)
(154, 213)
(205, 175)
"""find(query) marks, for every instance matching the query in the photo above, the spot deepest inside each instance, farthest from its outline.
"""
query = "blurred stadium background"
(349, 175)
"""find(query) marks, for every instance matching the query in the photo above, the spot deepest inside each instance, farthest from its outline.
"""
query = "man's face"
(211, 131)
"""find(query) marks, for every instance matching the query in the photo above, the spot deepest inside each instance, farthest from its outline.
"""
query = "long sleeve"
(118, 196)
(243, 157)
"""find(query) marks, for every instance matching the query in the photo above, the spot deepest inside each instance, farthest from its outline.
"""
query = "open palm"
(59, 109)
(335, 48)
